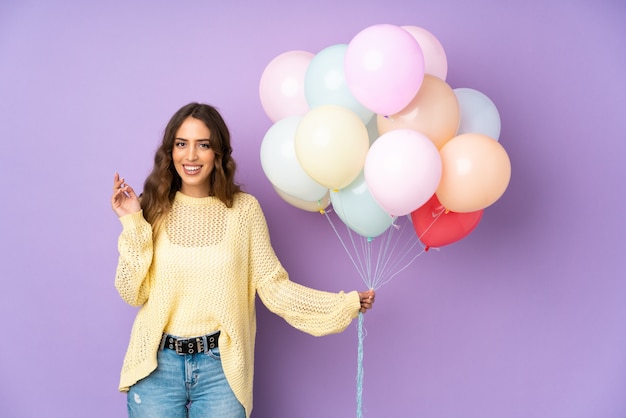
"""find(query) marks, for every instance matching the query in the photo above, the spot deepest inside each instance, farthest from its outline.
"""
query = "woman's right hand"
(124, 200)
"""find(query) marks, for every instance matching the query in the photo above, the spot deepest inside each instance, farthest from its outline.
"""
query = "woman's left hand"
(367, 300)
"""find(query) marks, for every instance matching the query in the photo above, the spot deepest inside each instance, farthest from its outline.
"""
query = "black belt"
(191, 345)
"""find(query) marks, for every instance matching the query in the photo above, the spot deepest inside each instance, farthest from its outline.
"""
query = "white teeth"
(192, 168)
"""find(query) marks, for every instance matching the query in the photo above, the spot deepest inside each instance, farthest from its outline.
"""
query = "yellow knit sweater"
(200, 273)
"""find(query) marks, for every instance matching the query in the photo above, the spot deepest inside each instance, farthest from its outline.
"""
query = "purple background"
(523, 318)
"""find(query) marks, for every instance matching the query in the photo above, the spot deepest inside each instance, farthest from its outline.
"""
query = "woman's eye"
(205, 146)
(179, 144)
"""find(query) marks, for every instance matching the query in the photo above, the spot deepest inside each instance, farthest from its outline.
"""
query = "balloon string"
(402, 247)
(436, 216)
(395, 252)
(330, 221)
(359, 374)
(386, 262)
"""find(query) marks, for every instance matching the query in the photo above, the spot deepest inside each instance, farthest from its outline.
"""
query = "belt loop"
(163, 339)
(205, 344)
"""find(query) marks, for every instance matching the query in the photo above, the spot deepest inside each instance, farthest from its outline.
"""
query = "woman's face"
(193, 157)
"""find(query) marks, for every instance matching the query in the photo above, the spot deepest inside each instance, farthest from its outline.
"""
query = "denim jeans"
(185, 386)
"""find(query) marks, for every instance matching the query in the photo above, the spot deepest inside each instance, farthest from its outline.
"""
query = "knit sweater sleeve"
(313, 311)
(135, 248)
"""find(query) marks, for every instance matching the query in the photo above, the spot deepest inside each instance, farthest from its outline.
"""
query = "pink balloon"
(402, 170)
(435, 60)
(282, 85)
(384, 67)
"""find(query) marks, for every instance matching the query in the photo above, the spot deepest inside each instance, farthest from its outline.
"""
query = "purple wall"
(523, 318)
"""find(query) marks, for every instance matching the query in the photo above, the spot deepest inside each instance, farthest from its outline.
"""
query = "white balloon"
(281, 166)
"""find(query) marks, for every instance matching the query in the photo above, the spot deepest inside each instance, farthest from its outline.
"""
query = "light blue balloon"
(478, 113)
(325, 82)
(356, 207)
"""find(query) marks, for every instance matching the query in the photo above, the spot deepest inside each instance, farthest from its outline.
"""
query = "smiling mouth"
(191, 169)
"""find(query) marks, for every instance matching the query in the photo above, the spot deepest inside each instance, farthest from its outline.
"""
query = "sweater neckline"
(180, 197)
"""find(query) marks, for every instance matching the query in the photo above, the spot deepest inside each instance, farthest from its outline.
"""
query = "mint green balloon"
(325, 82)
(356, 208)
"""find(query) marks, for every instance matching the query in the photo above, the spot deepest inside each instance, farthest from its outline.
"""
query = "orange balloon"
(434, 111)
(476, 171)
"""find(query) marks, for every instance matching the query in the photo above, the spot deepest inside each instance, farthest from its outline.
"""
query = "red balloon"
(435, 226)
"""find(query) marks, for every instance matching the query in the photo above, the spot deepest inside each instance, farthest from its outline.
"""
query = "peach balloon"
(434, 111)
(476, 171)
(315, 206)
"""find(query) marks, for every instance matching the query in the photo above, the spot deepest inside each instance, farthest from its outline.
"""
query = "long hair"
(163, 182)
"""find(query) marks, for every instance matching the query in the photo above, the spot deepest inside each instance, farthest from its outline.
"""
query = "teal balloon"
(325, 82)
(356, 208)
(478, 113)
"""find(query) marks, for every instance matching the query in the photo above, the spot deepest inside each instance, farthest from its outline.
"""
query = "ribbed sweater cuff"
(132, 220)
(355, 303)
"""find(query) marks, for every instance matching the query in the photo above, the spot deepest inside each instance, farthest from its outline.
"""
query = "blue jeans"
(185, 386)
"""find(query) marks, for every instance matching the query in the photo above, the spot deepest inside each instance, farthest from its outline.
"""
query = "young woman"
(193, 253)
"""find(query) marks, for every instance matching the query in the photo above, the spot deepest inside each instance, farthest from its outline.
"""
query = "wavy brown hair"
(163, 182)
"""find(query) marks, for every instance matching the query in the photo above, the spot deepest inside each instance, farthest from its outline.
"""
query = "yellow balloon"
(434, 111)
(476, 172)
(331, 144)
(316, 206)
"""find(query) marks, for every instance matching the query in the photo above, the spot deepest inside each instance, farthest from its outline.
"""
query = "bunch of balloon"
(371, 131)
(326, 145)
